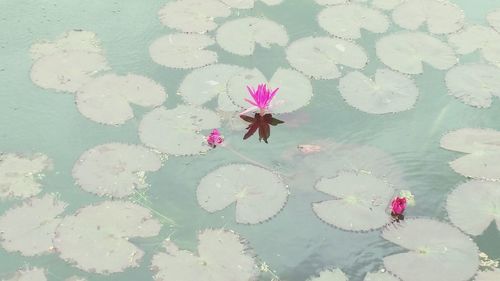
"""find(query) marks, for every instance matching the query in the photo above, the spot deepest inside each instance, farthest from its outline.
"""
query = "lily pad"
(19, 175)
(67, 71)
(330, 275)
(318, 57)
(474, 84)
(389, 92)
(380, 276)
(436, 251)
(295, 90)
(360, 204)
(177, 131)
(441, 16)
(346, 21)
(29, 274)
(73, 40)
(222, 256)
(96, 238)
(407, 51)
(107, 98)
(259, 194)
(386, 4)
(479, 165)
(193, 15)
(494, 19)
(477, 37)
(29, 228)
(488, 275)
(240, 36)
(181, 50)
(469, 140)
(115, 169)
(474, 205)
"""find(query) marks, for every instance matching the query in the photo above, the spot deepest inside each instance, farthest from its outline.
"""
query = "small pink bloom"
(398, 205)
(261, 98)
(309, 148)
(215, 138)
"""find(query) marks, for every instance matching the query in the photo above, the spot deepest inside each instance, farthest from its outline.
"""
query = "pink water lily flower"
(398, 206)
(261, 98)
(215, 138)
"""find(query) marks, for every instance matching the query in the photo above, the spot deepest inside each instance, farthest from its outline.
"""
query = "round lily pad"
(330, 275)
(222, 256)
(258, 193)
(181, 50)
(318, 57)
(67, 71)
(193, 15)
(240, 36)
(346, 21)
(476, 37)
(441, 16)
(474, 205)
(407, 51)
(248, 4)
(115, 169)
(96, 238)
(295, 90)
(74, 40)
(107, 98)
(488, 275)
(494, 19)
(469, 140)
(389, 92)
(479, 165)
(360, 204)
(436, 251)
(177, 131)
(29, 228)
(386, 4)
(474, 84)
(19, 175)
(29, 274)
(380, 276)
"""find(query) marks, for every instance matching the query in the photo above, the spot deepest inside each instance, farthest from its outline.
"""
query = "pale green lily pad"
(346, 21)
(330, 275)
(407, 51)
(477, 37)
(241, 35)
(19, 175)
(318, 57)
(177, 131)
(182, 50)
(436, 251)
(204, 84)
(73, 40)
(193, 15)
(440, 16)
(389, 92)
(474, 205)
(29, 228)
(386, 4)
(488, 275)
(115, 169)
(249, 4)
(360, 204)
(258, 194)
(479, 165)
(222, 256)
(469, 140)
(107, 98)
(295, 90)
(380, 276)
(494, 19)
(474, 84)
(96, 238)
(330, 2)
(67, 71)
(28, 274)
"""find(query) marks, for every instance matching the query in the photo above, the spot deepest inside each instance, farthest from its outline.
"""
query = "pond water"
(105, 173)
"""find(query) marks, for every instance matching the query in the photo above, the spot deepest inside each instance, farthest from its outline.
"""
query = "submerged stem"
(252, 161)
(165, 218)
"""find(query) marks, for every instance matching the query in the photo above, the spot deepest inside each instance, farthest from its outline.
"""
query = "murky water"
(401, 147)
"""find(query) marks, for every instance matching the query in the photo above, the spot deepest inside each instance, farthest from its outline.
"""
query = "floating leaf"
(67, 71)
(73, 40)
(494, 19)
(330, 275)
(469, 140)
(319, 56)
(96, 238)
(436, 251)
(181, 50)
(346, 21)
(248, 4)
(295, 90)
(177, 131)
(222, 256)
(389, 92)
(479, 165)
(386, 4)
(193, 15)
(477, 37)
(259, 194)
(19, 175)
(380, 276)
(474, 205)
(488, 275)
(361, 201)
(29, 274)
(115, 169)
(240, 36)
(406, 51)
(29, 228)
(441, 16)
(474, 84)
